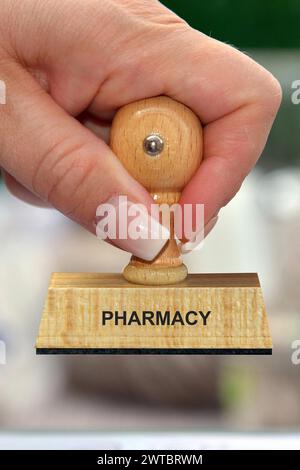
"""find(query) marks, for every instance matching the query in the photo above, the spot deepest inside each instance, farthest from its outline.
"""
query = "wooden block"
(205, 314)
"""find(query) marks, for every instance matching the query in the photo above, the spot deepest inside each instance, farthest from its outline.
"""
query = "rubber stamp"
(155, 307)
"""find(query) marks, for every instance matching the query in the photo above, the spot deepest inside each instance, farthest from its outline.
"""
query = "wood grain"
(71, 317)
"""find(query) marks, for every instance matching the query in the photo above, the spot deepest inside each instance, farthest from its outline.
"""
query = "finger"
(232, 145)
(237, 108)
(17, 190)
(59, 160)
(99, 126)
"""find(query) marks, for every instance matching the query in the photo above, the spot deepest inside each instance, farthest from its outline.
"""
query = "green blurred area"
(269, 31)
(245, 24)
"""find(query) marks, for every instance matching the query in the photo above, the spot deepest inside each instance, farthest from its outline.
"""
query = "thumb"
(51, 154)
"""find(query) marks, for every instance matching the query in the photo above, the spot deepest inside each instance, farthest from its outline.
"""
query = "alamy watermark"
(296, 94)
(2, 92)
(2, 353)
(295, 358)
(122, 219)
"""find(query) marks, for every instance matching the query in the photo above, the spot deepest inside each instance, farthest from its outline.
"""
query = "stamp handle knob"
(159, 141)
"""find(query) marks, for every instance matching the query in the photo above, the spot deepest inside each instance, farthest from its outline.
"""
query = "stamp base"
(72, 321)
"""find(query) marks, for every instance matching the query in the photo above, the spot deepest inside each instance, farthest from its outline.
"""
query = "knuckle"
(273, 93)
(62, 175)
(269, 93)
(260, 85)
(69, 191)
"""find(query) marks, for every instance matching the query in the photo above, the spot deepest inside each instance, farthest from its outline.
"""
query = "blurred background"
(258, 231)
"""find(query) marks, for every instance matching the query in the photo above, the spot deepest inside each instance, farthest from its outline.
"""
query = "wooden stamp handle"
(159, 142)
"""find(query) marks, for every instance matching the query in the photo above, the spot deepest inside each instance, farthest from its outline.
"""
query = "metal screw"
(153, 145)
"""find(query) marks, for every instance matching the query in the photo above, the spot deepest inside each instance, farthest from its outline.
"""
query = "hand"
(69, 64)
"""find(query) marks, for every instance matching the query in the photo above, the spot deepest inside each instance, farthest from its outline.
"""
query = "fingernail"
(198, 238)
(130, 227)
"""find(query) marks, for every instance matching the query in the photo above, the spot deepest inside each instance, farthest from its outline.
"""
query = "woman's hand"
(69, 64)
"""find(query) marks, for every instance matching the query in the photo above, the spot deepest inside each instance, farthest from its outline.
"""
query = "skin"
(70, 64)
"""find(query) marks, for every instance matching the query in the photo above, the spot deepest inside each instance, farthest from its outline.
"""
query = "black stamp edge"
(156, 351)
